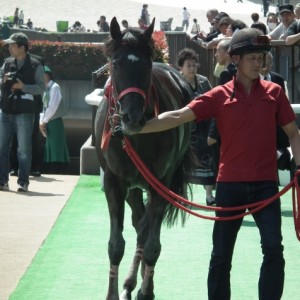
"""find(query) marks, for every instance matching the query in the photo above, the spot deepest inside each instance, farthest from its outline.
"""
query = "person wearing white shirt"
(287, 16)
(52, 126)
(196, 27)
(186, 18)
(21, 18)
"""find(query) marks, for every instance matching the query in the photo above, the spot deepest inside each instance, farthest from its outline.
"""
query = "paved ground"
(25, 220)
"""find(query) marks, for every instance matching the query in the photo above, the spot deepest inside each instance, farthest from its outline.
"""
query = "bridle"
(115, 97)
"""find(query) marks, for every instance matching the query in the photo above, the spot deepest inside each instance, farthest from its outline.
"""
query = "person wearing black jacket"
(37, 158)
(22, 78)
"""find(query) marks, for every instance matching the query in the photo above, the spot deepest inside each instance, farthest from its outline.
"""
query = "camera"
(12, 79)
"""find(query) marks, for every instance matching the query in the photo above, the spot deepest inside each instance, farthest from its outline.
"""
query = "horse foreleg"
(152, 246)
(131, 279)
(115, 254)
(136, 202)
(115, 195)
(112, 293)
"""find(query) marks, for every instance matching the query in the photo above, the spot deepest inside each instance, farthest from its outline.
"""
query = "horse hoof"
(140, 296)
(125, 295)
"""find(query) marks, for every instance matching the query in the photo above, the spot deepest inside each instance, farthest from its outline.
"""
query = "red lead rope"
(296, 203)
(181, 202)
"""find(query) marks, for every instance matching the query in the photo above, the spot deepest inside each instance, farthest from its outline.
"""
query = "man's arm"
(275, 33)
(34, 89)
(291, 39)
(292, 132)
(39, 87)
(168, 120)
(292, 33)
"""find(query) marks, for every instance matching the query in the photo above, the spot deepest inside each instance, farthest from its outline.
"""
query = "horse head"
(130, 52)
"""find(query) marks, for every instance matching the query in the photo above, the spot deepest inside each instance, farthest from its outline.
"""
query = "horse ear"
(115, 30)
(148, 32)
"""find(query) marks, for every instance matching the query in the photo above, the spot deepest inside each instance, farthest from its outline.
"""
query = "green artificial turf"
(72, 263)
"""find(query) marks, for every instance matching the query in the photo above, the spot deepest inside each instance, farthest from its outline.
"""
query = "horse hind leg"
(136, 203)
(147, 272)
(152, 245)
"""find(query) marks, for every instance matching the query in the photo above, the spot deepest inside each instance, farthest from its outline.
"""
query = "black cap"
(286, 8)
(249, 40)
(18, 37)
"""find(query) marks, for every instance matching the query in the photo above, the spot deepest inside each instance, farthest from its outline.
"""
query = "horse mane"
(134, 38)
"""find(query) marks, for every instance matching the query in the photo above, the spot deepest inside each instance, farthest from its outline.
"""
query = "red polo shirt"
(247, 127)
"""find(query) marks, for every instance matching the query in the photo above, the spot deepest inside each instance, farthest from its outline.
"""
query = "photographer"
(22, 79)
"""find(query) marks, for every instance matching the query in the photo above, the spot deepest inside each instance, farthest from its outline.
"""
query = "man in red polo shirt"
(247, 111)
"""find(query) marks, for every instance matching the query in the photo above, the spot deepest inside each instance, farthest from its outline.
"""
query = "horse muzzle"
(130, 128)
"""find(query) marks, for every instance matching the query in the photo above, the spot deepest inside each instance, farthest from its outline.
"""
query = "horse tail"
(180, 186)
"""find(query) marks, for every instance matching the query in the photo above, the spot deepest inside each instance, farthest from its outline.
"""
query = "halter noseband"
(134, 90)
(131, 90)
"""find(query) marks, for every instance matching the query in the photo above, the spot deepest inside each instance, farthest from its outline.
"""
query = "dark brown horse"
(137, 91)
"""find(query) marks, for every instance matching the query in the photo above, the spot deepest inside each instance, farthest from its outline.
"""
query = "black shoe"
(23, 187)
(35, 173)
(13, 172)
(4, 187)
